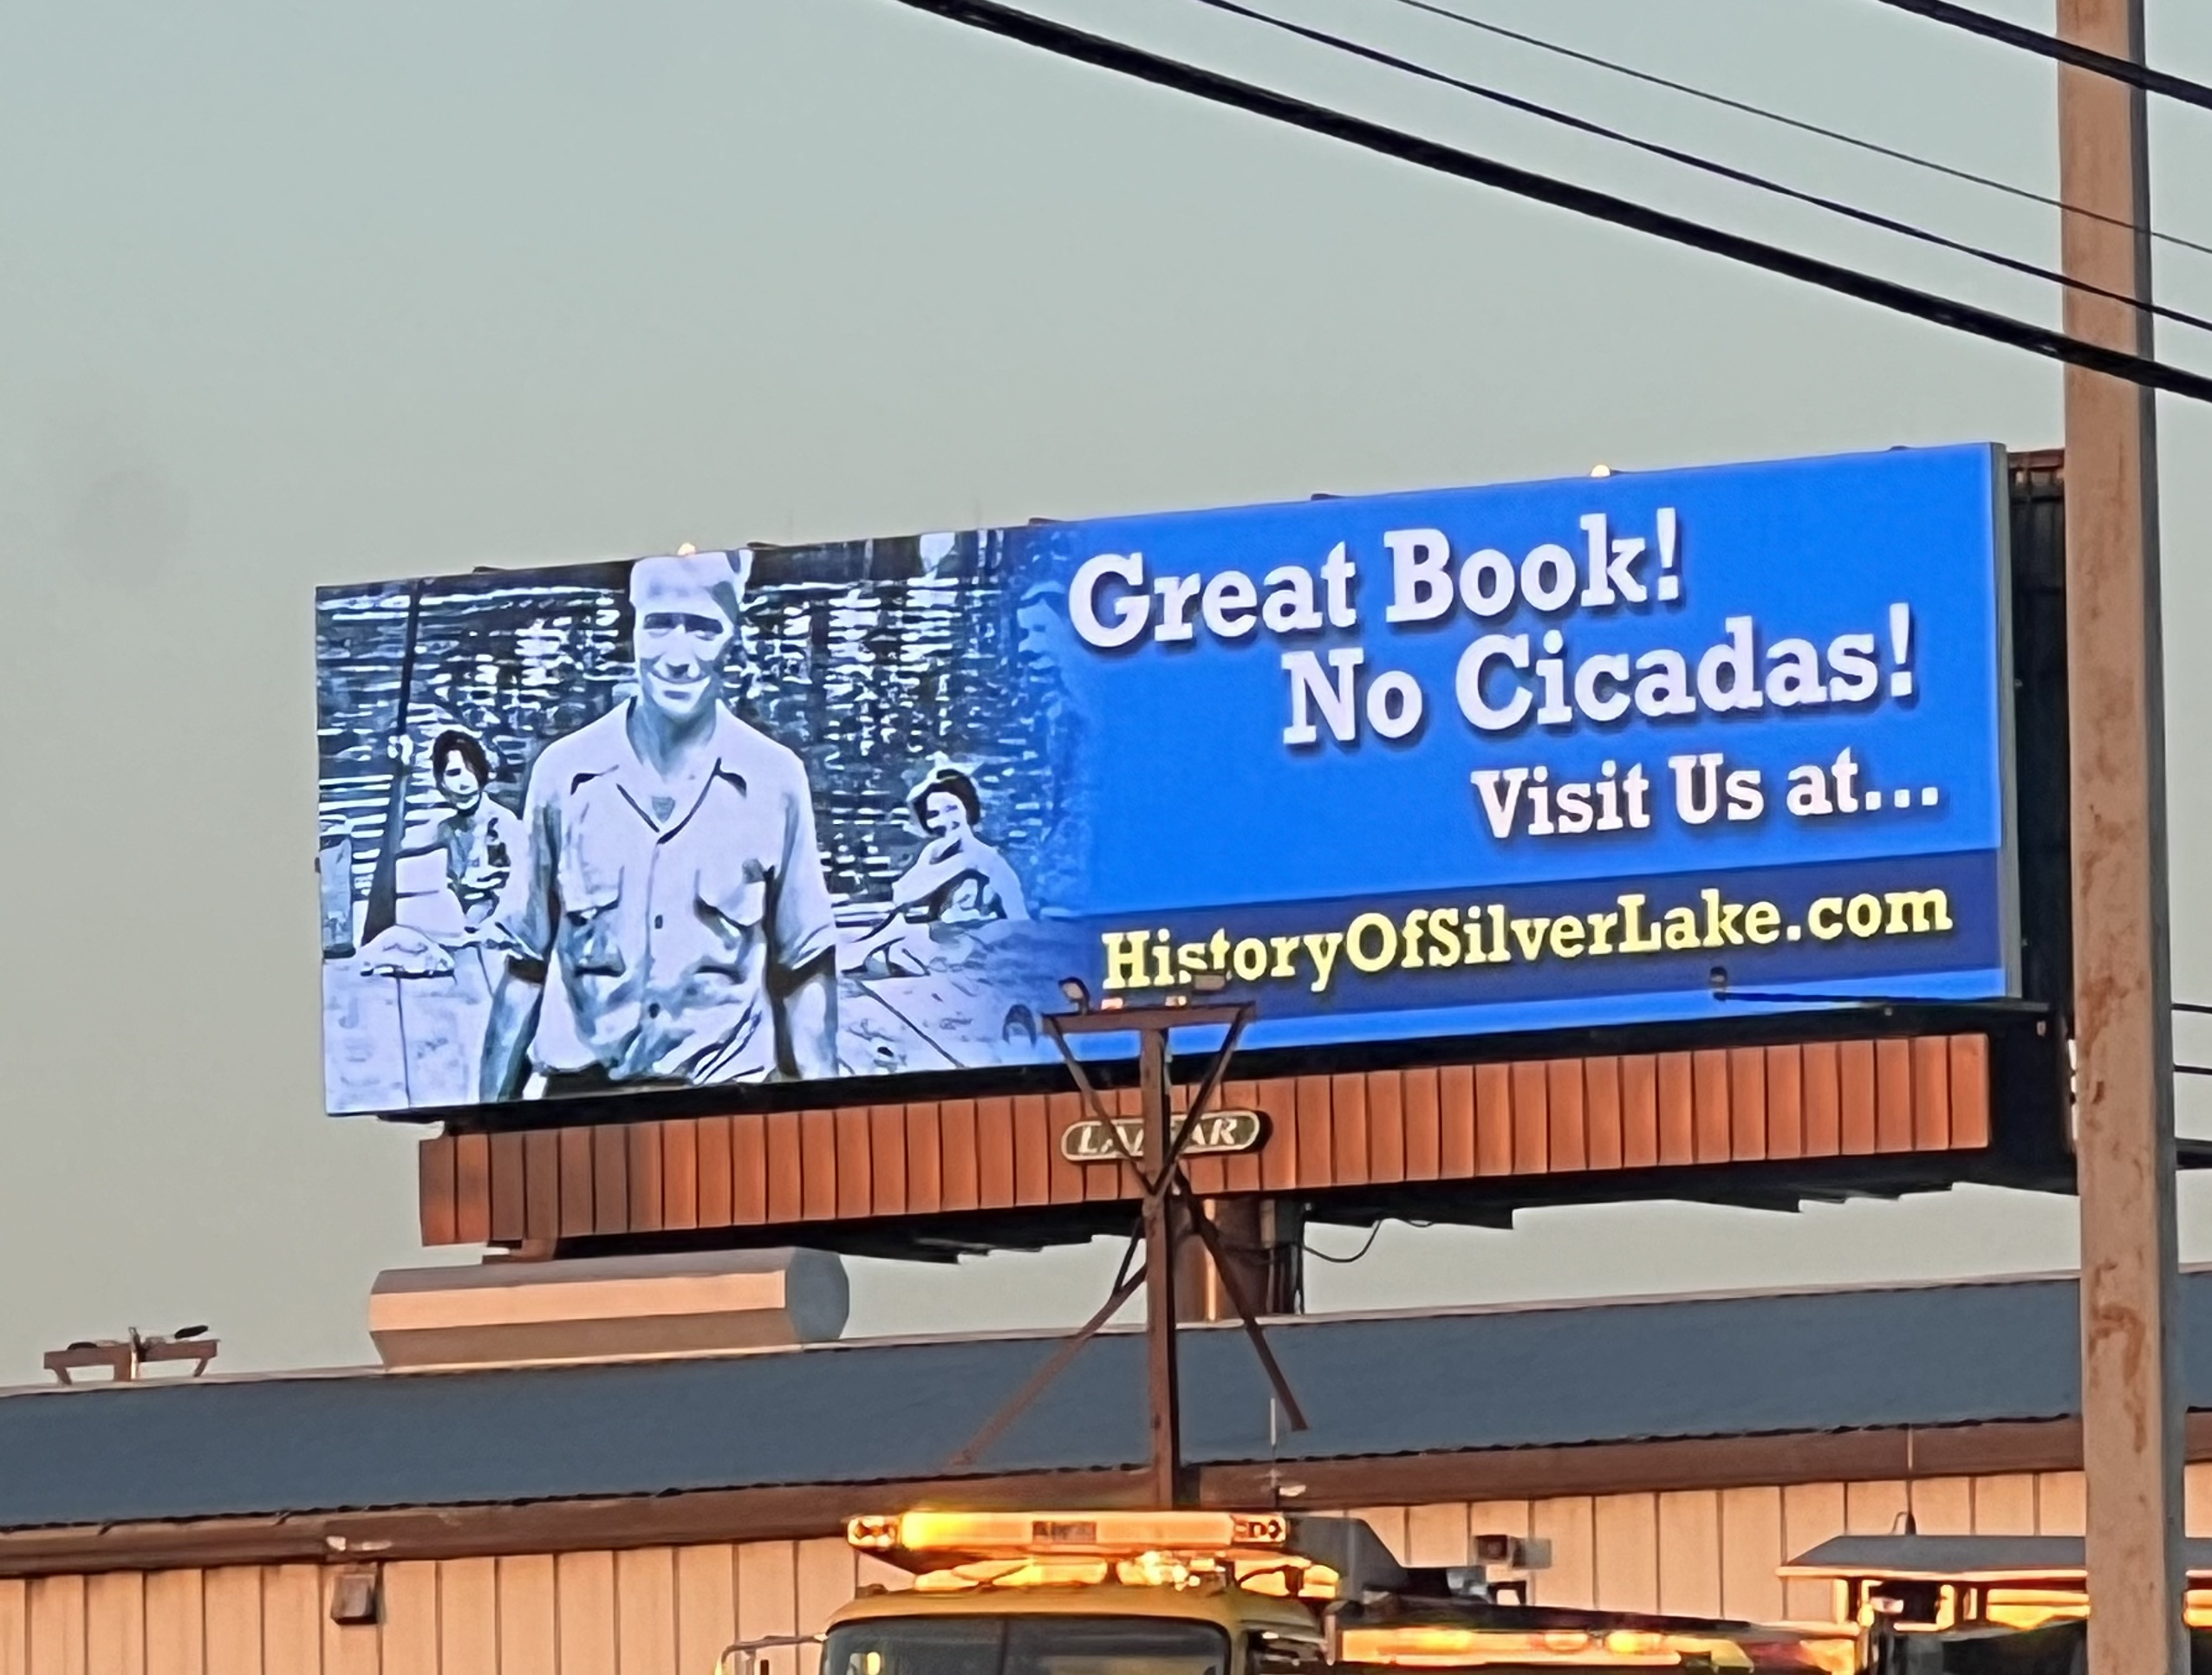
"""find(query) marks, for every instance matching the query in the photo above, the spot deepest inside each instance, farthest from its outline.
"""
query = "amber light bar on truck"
(1431, 1646)
(950, 1551)
(1070, 1535)
(1460, 1648)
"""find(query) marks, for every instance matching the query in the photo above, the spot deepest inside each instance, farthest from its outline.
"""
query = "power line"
(2066, 52)
(1062, 41)
(1704, 165)
(1345, 1262)
(1858, 141)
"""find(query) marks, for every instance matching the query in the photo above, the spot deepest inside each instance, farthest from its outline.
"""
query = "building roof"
(1382, 1385)
(2016, 1558)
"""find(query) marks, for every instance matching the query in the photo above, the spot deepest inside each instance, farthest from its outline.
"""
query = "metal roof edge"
(1018, 1335)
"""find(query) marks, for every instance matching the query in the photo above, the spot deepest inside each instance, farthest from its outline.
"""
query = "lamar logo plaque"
(1092, 1142)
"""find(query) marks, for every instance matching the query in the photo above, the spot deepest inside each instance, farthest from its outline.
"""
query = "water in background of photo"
(855, 656)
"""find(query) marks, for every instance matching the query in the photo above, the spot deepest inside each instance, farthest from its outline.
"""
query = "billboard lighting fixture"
(1717, 982)
(125, 1358)
(1078, 992)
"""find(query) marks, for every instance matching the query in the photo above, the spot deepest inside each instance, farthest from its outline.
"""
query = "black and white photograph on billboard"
(698, 818)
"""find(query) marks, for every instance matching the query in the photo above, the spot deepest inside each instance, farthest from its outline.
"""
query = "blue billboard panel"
(1430, 763)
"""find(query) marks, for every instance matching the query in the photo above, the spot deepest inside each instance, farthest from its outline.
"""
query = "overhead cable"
(1704, 165)
(1346, 1261)
(1874, 147)
(1062, 41)
(2066, 52)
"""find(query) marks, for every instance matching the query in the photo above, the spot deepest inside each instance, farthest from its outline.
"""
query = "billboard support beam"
(2124, 1075)
(1162, 1214)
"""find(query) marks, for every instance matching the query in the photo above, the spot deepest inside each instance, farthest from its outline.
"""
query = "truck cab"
(1100, 1628)
(1207, 1592)
(1980, 1605)
(1086, 1594)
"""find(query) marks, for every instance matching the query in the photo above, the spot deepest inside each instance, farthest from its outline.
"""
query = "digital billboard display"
(1403, 765)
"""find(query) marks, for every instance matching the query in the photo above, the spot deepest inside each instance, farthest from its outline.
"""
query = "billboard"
(1414, 764)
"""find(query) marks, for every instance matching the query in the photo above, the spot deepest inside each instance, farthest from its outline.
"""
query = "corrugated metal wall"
(669, 1611)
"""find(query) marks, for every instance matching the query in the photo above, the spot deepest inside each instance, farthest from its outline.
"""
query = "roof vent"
(606, 1308)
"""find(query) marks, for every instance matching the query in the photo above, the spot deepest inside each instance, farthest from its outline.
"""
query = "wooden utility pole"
(2123, 1017)
(1169, 1215)
(1163, 1381)
(1172, 1213)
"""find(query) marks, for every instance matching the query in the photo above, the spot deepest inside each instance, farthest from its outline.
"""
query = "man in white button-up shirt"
(667, 921)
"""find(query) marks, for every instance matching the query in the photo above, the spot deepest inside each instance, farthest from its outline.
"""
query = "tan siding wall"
(15, 1627)
(1688, 1536)
(669, 1611)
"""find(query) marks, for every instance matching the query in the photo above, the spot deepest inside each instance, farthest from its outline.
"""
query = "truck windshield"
(1043, 1645)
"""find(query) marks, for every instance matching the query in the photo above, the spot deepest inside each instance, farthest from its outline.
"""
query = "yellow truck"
(1979, 1605)
(1208, 1592)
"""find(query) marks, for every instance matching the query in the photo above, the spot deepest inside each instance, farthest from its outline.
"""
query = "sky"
(299, 295)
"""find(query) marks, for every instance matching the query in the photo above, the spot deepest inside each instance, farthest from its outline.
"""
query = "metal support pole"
(2124, 1045)
(1160, 1218)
